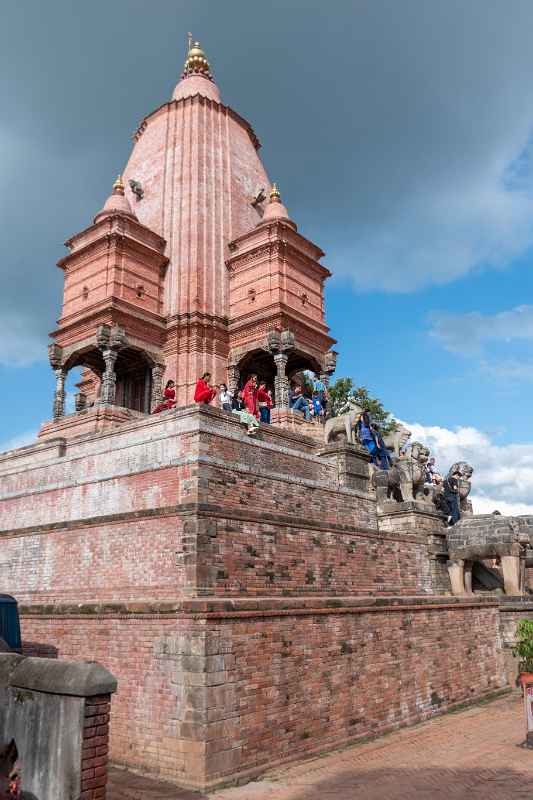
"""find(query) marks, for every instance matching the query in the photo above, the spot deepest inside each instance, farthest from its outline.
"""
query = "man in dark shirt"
(451, 496)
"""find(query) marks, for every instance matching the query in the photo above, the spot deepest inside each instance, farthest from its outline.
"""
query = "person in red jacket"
(264, 402)
(204, 393)
(169, 402)
(249, 395)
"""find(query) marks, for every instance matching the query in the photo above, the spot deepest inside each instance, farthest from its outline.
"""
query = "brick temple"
(254, 602)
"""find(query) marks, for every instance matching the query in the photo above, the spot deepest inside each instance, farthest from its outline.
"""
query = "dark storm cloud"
(399, 131)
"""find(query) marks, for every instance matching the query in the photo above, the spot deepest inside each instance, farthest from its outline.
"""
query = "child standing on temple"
(264, 402)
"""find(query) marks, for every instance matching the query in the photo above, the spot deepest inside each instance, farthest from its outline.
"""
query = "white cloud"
(503, 476)
(466, 333)
(21, 440)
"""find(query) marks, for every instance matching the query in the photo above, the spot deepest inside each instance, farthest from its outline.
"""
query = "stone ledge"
(52, 676)
(258, 607)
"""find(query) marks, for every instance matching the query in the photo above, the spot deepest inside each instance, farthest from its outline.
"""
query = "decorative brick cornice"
(201, 100)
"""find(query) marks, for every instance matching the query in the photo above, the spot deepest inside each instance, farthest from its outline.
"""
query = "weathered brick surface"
(216, 690)
(229, 583)
(95, 740)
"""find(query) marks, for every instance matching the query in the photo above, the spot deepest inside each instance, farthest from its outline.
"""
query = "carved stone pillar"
(157, 390)
(234, 375)
(80, 401)
(59, 396)
(281, 382)
(109, 379)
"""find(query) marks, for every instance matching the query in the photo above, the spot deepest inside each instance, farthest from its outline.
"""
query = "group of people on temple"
(253, 403)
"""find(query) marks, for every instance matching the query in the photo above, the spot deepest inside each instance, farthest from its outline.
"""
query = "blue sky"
(400, 135)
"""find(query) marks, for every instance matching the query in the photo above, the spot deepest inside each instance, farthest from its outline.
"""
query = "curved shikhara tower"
(192, 265)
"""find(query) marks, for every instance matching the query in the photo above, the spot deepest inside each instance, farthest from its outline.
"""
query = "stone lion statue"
(397, 439)
(404, 482)
(342, 426)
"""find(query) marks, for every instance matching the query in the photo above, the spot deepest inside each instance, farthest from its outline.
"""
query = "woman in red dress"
(204, 393)
(249, 395)
(169, 402)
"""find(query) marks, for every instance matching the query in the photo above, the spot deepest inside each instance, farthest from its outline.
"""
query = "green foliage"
(343, 394)
(524, 644)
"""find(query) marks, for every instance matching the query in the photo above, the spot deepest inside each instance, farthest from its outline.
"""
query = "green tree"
(343, 394)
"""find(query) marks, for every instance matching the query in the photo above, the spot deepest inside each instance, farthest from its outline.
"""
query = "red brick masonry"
(95, 748)
(212, 690)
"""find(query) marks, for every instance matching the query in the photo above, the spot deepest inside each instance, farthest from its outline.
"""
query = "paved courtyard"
(470, 755)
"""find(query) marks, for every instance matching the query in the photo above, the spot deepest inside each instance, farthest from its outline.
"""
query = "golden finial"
(274, 194)
(189, 41)
(118, 186)
(196, 61)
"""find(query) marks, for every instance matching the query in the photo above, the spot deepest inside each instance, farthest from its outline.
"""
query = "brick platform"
(229, 582)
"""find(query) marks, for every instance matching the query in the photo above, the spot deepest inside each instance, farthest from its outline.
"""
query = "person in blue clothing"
(298, 402)
(370, 438)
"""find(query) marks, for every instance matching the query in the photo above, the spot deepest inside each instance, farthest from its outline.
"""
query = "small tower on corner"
(111, 322)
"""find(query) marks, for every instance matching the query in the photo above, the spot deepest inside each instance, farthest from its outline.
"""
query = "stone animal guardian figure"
(397, 439)
(488, 536)
(342, 426)
(404, 482)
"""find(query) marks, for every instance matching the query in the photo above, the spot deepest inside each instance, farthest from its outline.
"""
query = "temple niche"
(192, 265)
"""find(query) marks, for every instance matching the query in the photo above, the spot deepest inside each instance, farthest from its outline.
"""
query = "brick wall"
(95, 748)
(212, 689)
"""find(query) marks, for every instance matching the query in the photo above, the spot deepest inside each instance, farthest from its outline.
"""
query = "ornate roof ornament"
(116, 203)
(274, 193)
(275, 209)
(196, 62)
(118, 186)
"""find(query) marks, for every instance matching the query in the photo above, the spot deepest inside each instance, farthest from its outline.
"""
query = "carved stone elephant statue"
(405, 480)
(487, 536)
(342, 426)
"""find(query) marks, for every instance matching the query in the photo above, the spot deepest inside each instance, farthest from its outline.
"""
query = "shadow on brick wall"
(40, 649)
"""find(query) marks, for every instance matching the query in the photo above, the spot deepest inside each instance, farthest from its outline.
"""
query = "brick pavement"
(470, 755)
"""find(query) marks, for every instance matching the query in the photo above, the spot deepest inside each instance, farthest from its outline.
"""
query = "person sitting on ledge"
(204, 392)
(297, 401)
(225, 397)
(245, 400)
(264, 402)
(169, 393)
(249, 395)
